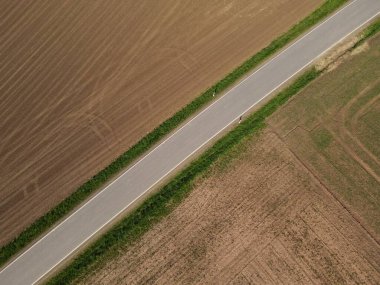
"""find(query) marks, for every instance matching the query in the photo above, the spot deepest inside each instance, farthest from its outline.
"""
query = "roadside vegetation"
(161, 204)
(169, 196)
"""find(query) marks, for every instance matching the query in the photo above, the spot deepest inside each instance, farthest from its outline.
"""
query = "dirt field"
(81, 81)
(297, 206)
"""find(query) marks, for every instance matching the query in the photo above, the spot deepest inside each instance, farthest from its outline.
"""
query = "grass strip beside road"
(42, 225)
(370, 31)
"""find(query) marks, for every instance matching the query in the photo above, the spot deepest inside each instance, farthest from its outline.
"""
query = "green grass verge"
(67, 205)
(160, 204)
(369, 32)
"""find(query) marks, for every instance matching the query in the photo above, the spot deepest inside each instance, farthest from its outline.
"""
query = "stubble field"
(297, 204)
(334, 130)
(83, 81)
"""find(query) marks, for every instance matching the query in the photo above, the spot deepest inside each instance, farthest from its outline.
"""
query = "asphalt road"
(60, 242)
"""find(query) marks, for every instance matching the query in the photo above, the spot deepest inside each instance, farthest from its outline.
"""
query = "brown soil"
(81, 81)
(265, 219)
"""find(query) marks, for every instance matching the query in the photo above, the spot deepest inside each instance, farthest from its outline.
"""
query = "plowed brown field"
(81, 81)
(297, 204)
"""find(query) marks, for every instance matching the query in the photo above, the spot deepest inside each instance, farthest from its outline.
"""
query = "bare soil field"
(296, 204)
(82, 81)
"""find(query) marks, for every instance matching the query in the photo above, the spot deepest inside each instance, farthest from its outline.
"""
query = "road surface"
(70, 234)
